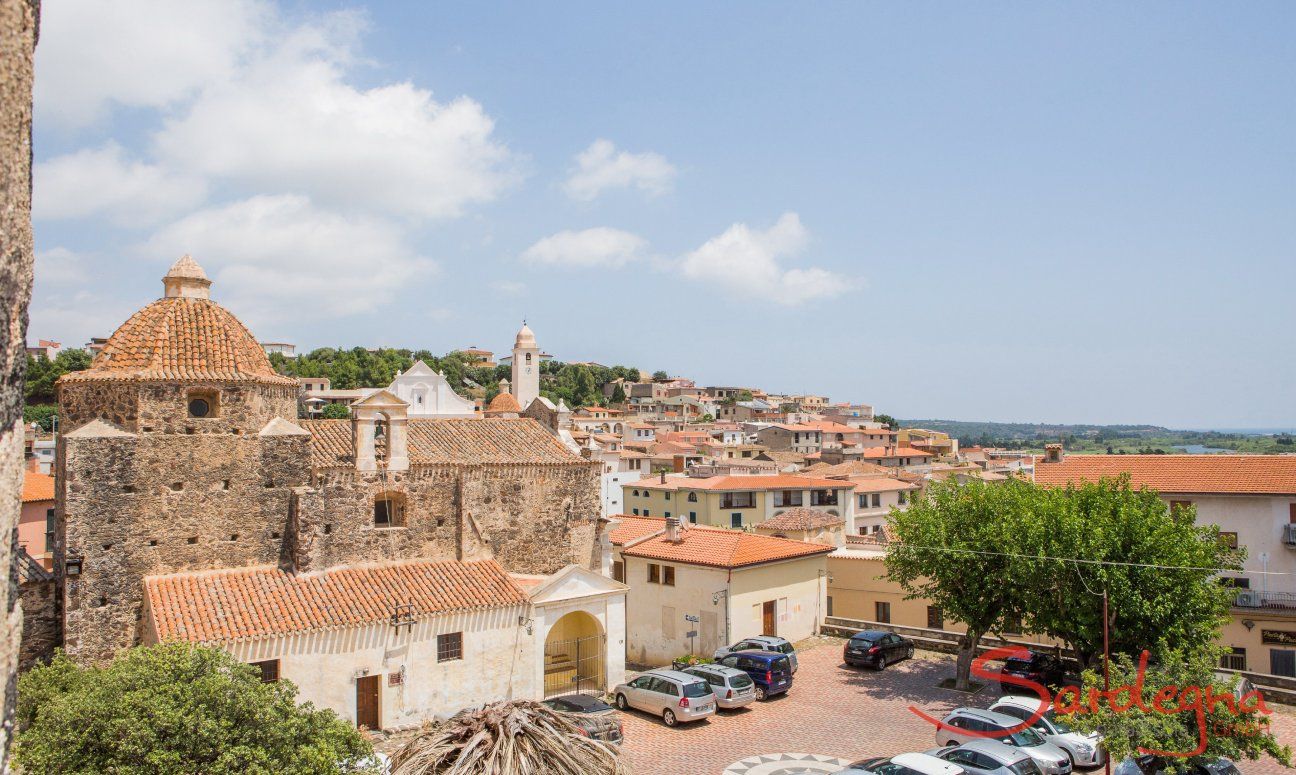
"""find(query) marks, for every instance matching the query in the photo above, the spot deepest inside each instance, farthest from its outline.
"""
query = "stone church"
(183, 465)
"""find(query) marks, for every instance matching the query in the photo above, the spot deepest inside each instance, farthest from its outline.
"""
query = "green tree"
(618, 395)
(1237, 732)
(176, 709)
(42, 373)
(888, 421)
(745, 395)
(336, 412)
(660, 376)
(43, 415)
(939, 552)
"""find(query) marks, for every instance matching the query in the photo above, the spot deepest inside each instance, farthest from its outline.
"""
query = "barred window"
(450, 646)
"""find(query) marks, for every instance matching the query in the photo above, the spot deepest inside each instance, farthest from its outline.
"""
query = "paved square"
(834, 711)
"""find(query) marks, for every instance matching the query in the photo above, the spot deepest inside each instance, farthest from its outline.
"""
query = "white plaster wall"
(1258, 521)
(799, 582)
(647, 642)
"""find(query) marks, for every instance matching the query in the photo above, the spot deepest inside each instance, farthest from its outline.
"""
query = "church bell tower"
(526, 367)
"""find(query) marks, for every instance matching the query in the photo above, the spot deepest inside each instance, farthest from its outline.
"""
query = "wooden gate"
(367, 688)
(573, 666)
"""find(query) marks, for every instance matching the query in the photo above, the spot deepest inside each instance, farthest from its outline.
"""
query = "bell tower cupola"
(526, 367)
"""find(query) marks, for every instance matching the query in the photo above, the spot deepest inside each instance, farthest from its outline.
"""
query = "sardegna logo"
(1168, 700)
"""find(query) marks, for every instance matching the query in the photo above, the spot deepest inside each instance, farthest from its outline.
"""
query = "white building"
(428, 394)
(526, 367)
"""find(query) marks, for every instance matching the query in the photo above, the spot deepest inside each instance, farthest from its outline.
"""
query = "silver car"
(904, 764)
(674, 696)
(761, 643)
(963, 725)
(988, 757)
(732, 687)
(1084, 749)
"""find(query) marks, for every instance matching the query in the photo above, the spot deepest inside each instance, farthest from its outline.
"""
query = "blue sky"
(1033, 212)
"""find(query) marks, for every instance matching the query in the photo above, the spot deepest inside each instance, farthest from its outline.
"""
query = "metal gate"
(573, 666)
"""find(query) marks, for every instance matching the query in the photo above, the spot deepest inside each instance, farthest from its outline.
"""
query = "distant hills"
(1118, 439)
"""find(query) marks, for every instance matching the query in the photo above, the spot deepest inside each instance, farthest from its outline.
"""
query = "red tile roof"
(729, 483)
(260, 602)
(451, 441)
(720, 548)
(882, 484)
(801, 518)
(37, 487)
(504, 402)
(889, 452)
(630, 528)
(1231, 474)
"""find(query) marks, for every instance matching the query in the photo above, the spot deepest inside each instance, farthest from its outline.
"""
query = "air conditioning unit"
(1289, 535)
(1250, 598)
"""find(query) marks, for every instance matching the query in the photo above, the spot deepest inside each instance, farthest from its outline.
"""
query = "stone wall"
(41, 623)
(18, 24)
(146, 407)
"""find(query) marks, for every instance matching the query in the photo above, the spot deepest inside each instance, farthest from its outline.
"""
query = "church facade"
(182, 462)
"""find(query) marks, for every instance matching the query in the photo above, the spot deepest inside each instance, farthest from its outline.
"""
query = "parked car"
(903, 764)
(598, 719)
(988, 757)
(1040, 667)
(1155, 765)
(876, 648)
(1085, 749)
(770, 670)
(673, 695)
(958, 726)
(761, 643)
(732, 687)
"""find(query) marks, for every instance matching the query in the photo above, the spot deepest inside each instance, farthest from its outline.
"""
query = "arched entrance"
(574, 654)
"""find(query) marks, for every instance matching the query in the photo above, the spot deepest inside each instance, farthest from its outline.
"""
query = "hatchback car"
(903, 764)
(1154, 765)
(962, 724)
(1084, 749)
(595, 717)
(876, 648)
(1040, 667)
(732, 687)
(770, 670)
(761, 643)
(672, 695)
(988, 757)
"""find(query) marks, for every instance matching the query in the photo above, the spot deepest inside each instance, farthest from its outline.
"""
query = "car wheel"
(621, 702)
(909, 652)
(668, 716)
(761, 694)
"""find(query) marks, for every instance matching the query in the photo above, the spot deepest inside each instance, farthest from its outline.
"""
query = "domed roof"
(183, 336)
(525, 337)
(504, 403)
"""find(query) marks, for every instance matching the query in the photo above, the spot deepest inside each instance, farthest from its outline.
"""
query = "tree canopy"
(176, 709)
(42, 373)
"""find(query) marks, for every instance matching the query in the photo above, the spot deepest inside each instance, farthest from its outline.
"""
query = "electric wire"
(1086, 561)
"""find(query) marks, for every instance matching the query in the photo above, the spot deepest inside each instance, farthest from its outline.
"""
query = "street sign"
(691, 634)
(690, 618)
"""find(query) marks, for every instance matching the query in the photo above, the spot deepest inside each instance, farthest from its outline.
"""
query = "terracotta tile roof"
(260, 602)
(756, 482)
(881, 484)
(502, 403)
(182, 338)
(1233, 474)
(452, 441)
(720, 548)
(801, 518)
(630, 528)
(37, 487)
(886, 452)
(853, 468)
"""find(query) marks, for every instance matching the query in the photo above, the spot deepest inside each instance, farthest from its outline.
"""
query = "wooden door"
(367, 688)
(769, 623)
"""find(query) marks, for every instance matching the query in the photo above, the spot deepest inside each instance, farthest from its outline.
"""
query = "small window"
(389, 510)
(735, 520)
(693, 517)
(202, 403)
(450, 647)
(1174, 505)
(692, 497)
(618, 571)
(900, 497)
(667, 498)
(635, 511)
(667, 515)
(882, 612)
(654, 573)
(269, 670)
(1229, 539)
(877, 499)
(668, 575)
(935, 619)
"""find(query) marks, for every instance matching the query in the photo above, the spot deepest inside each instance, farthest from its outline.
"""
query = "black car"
(1040, 667)
(876, 648)
(596, 718)
(1154, 765)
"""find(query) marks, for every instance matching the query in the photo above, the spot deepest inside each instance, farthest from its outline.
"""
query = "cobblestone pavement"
(836, 711)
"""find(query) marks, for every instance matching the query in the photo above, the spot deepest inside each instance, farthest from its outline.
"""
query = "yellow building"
(736, 501)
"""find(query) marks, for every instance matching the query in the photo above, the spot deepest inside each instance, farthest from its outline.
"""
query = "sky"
(999, 211)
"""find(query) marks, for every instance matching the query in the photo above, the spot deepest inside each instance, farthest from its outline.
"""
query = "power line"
(1095, 562)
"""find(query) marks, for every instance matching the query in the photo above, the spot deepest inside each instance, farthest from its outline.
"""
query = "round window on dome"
(202, 404)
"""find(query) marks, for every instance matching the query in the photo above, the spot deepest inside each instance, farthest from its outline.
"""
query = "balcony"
(823, 497)
(1254, 599)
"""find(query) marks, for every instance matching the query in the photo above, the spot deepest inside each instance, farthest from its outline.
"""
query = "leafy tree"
(660, 376)
(888, 421)
(41, 414)
(618, 394)
(1240, 731)
(706, 418)
(336, 412)
(1157, 608)
(745, 395)
(42, 373)
(176, 709)
(937, 552)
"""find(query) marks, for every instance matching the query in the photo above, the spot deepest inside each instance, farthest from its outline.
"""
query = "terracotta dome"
(183, 336)
(504, 403)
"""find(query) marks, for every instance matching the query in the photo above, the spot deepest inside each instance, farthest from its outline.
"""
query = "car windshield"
(1026, 738)
(1061, 726)
(783, 648)
(781, 663)
(699, 689)
(1024, 767)
(1016, 663)
(857, 640)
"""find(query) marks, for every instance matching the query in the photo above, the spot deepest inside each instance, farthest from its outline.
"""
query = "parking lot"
(833, 710)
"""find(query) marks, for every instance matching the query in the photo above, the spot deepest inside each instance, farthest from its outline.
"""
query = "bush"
(173, 709)
(336, 412)
(43, 414)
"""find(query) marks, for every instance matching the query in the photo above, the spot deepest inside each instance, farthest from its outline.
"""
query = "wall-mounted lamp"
(715, 599)
(824, 573)
(529, 624)
(72, 566)
(1247, 623)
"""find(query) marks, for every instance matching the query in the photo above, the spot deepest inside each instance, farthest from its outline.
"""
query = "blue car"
(770, 670)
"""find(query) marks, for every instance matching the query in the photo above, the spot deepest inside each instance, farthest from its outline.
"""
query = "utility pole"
(1106, 668)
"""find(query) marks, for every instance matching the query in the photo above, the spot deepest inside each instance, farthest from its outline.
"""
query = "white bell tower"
(526, 367)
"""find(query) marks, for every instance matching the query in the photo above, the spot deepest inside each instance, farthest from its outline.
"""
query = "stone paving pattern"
(837, 711)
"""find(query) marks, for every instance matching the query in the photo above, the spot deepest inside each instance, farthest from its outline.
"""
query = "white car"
(903, 764)
(963, 725)
(669, 694)
(1085, 750)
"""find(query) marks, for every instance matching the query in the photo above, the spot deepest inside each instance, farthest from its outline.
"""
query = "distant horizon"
(1239, 431)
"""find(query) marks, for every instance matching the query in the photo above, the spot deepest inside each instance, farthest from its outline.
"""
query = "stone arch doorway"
(575, 654)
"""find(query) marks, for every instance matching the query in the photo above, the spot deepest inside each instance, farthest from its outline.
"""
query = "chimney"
(672, 530)
(33, 464)
(1052, 453)
(663, 477)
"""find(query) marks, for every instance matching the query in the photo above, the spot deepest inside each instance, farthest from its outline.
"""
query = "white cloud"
(59, 266)
(600, 246)
(288, 120)
(509, 288)
(136, 53)
(276, 258)
(747, 262)
(103, 182)
(601, 167)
